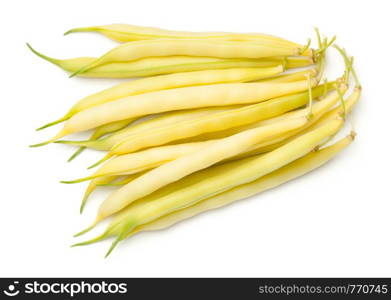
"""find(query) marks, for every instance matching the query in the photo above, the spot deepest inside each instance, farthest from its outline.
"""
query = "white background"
(333, 222)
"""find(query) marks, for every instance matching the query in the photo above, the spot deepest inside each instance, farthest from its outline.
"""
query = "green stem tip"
(76, 153)
(80, 29)
(62, 119)
(70, 181)
(349, 64)
(99, 161)
(87, 229)
(126, 229)
(73, 30)
(77, 180)
(306, 46)
(40, 144)
(47, 58)
(83, 203)
(113, 245)
(91, 241)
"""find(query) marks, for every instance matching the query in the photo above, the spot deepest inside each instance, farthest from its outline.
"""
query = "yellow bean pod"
(128, 33)
(153, 66)
(132, 51)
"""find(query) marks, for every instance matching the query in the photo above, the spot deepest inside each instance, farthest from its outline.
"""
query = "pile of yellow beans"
(211, 118)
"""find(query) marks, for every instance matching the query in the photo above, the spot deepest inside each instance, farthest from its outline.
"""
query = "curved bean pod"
(190, 47)
(128, 33)
(153, 66)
